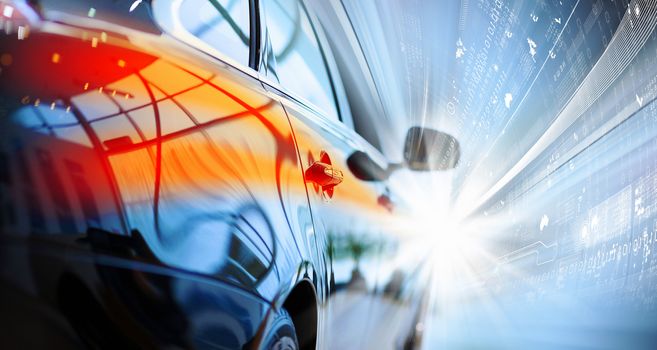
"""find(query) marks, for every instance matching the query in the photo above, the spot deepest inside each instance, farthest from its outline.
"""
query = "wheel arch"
(302, 305)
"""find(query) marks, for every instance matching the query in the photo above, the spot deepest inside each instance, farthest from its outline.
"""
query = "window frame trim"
(255, 35)
(329, 72)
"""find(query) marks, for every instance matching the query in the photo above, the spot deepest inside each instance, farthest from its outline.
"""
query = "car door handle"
(324, 175)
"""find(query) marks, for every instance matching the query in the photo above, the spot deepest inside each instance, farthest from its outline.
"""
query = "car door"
(231, 196)
(349, 214)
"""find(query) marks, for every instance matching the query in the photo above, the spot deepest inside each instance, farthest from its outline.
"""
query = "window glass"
(221, 24)
(128, 13)
(300, 65)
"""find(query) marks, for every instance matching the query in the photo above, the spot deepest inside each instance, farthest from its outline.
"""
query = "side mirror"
(428, 149)
(424, 150)
(366, 169)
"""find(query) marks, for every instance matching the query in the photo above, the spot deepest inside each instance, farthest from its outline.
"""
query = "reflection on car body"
(152, 183)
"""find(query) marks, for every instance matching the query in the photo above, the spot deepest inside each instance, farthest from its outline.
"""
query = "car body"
(155, 184)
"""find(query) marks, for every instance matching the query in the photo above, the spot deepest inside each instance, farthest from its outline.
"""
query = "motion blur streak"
(546, 237)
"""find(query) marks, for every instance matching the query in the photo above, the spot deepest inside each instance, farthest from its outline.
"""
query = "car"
(187, 174)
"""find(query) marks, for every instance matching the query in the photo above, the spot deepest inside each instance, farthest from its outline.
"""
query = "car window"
(223, 25)
(129, 13)
(300, 65)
